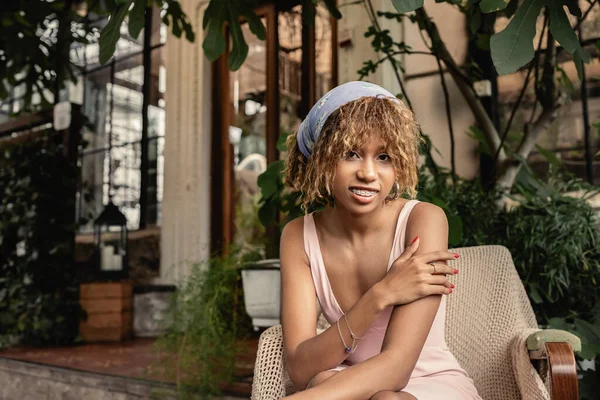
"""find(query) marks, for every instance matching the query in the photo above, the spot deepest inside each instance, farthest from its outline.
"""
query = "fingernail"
(455, 271)
(450, 290)
(415, 239)
(456, 255)
(451, 286)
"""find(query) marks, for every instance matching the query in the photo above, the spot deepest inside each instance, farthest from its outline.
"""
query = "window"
(124, 103)
(268, 96)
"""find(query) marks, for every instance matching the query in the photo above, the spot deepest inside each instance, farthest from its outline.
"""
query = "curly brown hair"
(350, 127)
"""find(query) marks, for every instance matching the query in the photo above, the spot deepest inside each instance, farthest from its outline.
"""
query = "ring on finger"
(433, 265)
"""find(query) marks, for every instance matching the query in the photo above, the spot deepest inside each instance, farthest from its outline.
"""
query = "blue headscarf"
(310, 128)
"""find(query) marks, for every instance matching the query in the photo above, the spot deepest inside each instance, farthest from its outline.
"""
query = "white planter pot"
(262, 292)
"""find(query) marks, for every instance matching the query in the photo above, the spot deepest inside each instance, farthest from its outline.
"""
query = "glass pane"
(124, 129)
(126, 135)
(247, 135)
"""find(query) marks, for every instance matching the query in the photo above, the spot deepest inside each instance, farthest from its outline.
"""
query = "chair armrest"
(558, 349)
(537, 340)
(270, 380)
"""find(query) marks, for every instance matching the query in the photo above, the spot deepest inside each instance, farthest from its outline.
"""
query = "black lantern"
(110, 238)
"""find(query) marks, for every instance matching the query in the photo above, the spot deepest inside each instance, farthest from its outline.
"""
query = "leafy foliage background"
(38, 288)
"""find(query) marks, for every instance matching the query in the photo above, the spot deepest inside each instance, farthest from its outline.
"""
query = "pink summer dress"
(437, 374)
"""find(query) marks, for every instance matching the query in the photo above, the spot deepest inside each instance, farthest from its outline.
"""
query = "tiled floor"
(135, 358)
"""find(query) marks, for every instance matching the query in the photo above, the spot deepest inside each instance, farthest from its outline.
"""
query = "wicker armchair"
(490, 328)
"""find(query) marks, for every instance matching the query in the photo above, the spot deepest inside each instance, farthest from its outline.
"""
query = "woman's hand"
(413, 277)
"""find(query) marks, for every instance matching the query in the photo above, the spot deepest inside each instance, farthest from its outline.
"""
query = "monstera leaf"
(512, 48)
(404, 6)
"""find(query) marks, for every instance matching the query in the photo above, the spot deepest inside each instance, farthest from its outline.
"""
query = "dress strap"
(329, 304)
(400, 234)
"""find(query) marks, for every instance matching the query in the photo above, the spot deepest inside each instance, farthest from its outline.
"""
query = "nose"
(367, 171)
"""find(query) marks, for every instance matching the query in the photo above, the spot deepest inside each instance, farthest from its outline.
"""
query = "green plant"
(278, 204)
(205, 320)
(463, 201)
(554, 240)
(38, 286)
(35, 38)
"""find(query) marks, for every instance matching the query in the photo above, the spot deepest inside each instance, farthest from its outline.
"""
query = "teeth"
(364, 193)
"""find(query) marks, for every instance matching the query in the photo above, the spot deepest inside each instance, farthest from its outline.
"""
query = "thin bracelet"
(348, 349)
(354, 337)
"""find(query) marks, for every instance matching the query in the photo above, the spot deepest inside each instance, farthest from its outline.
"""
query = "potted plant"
(205, 321)
(262, 292)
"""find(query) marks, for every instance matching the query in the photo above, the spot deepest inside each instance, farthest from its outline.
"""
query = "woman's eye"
(384, 157)
(351, 154)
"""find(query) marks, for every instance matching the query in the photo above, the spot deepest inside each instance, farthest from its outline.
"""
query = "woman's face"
(364, 177)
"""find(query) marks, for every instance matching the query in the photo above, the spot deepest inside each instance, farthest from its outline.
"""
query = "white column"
(185, 232)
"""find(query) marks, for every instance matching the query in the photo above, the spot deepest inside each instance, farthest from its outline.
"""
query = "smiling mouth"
(364, 192)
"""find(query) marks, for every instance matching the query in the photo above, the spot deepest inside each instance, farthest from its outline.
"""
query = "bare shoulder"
(293, 230)
(292, 241)
(427, 213)
(429, 222)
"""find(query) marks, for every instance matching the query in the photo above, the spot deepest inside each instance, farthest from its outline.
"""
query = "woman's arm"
(306, 353)
(406, 333)
(410, 324)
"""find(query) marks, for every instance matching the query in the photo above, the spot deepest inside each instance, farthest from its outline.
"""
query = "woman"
(376, 262)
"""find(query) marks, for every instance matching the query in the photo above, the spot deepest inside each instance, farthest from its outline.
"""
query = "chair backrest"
(486, 312)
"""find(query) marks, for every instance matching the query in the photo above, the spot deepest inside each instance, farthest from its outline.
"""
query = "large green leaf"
(209, 13)
(254, 22)
(270, 180)
(137, 18)
(561, 29)
(239, 48)
(578, 60)
(404, 6)
(267, 212)
(590, 331)
(111, 32)
(511, 8)
(180, 20)
(214, 43)
(513, 47)
(488, 6)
